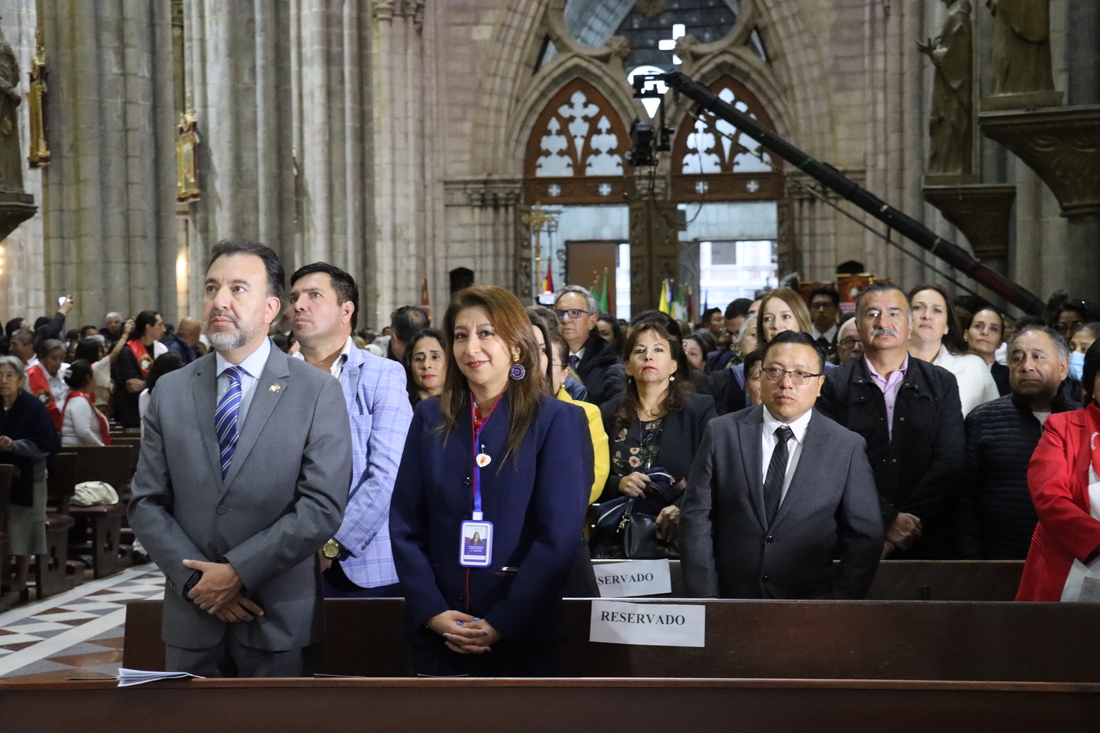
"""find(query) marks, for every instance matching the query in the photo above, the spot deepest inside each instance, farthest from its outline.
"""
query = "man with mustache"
(908, 412)
(244, 472)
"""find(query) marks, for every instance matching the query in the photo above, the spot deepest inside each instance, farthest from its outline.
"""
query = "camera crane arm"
(830, 177)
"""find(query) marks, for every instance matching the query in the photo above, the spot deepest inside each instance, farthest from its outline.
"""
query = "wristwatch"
(331, 550)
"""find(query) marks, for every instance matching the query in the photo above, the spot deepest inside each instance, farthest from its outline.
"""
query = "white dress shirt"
(337, 368)
(829, 335)
(58, 388)
(794, 446)
(253, 365)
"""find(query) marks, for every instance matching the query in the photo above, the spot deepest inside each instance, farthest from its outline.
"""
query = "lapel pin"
(275, 388)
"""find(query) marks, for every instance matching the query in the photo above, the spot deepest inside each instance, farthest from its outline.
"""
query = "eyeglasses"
(849, 343)
(822, 306)
(775, 374)
(573, 313)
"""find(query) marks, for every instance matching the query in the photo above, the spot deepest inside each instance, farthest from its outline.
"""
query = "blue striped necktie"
(225, 417)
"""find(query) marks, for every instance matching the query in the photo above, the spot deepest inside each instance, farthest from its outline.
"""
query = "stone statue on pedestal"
(11, 162)
(1021, 46)
(951, 121)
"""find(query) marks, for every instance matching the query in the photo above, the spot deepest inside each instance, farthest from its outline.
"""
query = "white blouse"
(80, 425)
(976, 385)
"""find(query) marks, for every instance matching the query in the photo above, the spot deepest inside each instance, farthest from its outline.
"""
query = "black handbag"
(626, 529)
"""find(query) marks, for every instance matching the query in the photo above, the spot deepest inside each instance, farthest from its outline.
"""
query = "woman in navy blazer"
(534, 490)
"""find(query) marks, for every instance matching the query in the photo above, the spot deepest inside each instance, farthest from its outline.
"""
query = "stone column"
(238, 58)
(109, 189)
(397, 84)
(22, 286)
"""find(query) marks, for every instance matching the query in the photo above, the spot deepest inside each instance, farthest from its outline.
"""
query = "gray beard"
(230, 341)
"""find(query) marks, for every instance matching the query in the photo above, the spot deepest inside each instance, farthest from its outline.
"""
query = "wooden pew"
(53, 571)
(920, 580)
(850, 640)
(98, 529)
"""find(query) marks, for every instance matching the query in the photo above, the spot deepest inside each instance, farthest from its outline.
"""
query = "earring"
(517, 371)
(672, 377)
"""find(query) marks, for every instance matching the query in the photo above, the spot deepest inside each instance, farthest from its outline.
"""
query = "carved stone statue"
(1021, 46)
(11, 162)
(951, 122)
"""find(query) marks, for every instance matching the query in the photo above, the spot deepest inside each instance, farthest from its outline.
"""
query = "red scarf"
(145, 362)
(40, 388)
(104, 431)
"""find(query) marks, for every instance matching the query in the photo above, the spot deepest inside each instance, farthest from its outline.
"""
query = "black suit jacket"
(917, 469)
(600, 369)
(681, 434)
(727, 547)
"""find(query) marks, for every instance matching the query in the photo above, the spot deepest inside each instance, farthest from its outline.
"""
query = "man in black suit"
(590, 356)
(777, 491)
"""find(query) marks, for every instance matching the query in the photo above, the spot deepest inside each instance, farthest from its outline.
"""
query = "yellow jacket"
(600, 447)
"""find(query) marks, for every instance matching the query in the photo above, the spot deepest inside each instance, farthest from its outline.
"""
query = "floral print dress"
(636, 446)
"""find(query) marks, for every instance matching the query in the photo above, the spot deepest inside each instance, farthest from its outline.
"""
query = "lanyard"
(480, 458)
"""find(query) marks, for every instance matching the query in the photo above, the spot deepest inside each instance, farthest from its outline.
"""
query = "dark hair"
(974, 314)
(72, 334)
(709, 313)
(557, 342)
(1056, 338)
(78, 374)
(541, 326)
(738, 308)
(163, 364)
(281, 341)
(342, 283)
(40, 322)
(276, 276)
(952, 340)
(795, 337)
(1092, 365)
(142, 322)
(406, 360)
(677, 388)
(13, 325)
(406, 321)
(512, 325)
(706, 339)
(1093, 328)
(880, 286)
(45, 347)
(827, 290)
(89, 350)
(617, 335)
(1086, 309)
(84, 331)
(549, 317)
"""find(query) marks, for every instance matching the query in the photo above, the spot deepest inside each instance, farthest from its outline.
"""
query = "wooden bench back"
(61, 480)
(873, 640)
(110, 464)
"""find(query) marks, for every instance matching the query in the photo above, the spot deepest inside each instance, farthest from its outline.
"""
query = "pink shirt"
(890, 387)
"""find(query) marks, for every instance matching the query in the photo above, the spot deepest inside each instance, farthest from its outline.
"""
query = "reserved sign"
(648, 624)
(633, 578)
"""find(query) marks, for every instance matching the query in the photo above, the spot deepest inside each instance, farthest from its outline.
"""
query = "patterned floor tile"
(65, 616)
(18, 641)
(37, 627)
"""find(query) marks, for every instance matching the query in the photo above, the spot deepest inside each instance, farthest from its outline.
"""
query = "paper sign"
(633, 578)
(648, 624)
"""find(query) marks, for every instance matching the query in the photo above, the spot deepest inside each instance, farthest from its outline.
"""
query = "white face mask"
(1077, 365)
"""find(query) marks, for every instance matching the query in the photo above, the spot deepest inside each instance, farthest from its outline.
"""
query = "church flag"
(690, 307)
(548, 283)
(425, 298)
(604, 307)
(663, 304)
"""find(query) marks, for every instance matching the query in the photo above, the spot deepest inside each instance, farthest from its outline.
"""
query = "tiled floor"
(74, 635)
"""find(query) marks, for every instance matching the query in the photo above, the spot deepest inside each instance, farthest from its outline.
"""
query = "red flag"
(548, 283)
(425, 299)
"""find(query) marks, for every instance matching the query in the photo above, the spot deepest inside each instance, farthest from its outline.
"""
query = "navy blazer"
(536, 501)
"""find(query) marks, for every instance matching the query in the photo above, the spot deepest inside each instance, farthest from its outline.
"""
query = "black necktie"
(777, 471)
(824, 343)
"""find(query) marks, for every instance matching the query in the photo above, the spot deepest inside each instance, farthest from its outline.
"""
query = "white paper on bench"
(648, 624)
(633, 578)
(131, 677)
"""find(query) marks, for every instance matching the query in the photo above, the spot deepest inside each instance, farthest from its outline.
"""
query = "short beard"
(227, 341)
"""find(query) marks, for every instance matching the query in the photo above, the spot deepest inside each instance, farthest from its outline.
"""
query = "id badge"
(476, 549)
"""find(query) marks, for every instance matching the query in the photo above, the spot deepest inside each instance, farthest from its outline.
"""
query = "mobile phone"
(61, 299)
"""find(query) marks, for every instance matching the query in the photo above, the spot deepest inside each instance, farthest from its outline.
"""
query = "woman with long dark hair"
(493, 455)
(133, 365)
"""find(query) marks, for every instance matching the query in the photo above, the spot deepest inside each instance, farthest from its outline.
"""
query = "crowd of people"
(781, 450)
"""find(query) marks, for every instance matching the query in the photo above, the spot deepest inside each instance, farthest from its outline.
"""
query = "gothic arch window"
(713, 161)
(577, 150)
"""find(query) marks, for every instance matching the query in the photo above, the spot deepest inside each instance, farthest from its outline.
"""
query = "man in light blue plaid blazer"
(358, 561)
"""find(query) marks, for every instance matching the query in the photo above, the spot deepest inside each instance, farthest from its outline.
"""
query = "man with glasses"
(848, 345)
(591, 357)
(777, 491)
(908, 412)
(824, 307)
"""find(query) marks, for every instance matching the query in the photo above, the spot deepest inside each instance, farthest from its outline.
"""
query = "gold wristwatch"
(331, 550)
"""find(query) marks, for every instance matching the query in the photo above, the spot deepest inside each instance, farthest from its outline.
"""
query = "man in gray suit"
(244, 472)
(777, 491)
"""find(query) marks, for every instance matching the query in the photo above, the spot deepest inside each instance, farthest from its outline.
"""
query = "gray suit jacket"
(282, 499)
(830, 510)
